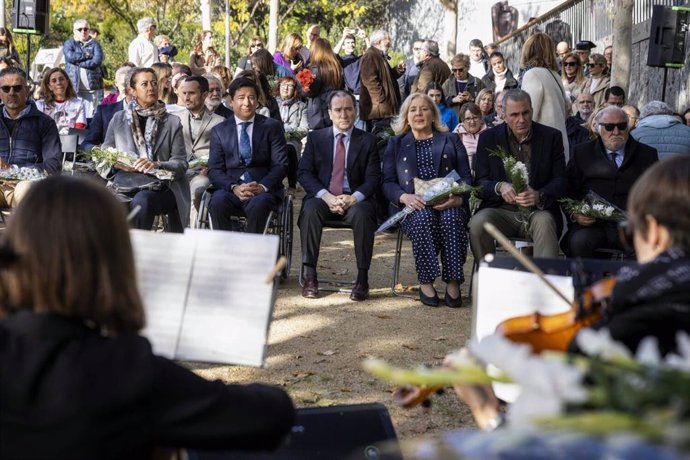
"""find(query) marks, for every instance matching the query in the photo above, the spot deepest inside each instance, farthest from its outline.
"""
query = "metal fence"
(576, 20)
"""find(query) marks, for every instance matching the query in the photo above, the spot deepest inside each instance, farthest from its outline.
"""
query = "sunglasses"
(611, 126)
(6, 88)
(458, 70)
(594, 64)
(570, 64)
(626, 233)
(83, 29)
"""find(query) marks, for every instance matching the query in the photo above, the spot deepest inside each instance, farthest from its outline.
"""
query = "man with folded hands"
(609, 166)
(340, 171)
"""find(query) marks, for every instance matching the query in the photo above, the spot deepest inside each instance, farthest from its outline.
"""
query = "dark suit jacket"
(74, 393)
(95, 135)
(432, 70)
(400, 163)
(316, 165)
(590, 168)
(268, 165)
(223, 111)
(547, 166)
(379, 94)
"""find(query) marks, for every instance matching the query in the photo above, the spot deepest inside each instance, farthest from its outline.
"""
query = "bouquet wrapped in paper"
(21, 173)
(593, 205)
(199, 162)
(434, 192)
(110, 157)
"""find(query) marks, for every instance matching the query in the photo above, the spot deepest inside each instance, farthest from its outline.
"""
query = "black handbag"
(130, 183)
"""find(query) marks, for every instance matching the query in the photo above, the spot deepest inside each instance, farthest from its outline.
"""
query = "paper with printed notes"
(205, 294)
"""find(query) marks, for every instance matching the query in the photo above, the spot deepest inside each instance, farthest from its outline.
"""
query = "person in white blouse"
(142, 51)
(60, 102)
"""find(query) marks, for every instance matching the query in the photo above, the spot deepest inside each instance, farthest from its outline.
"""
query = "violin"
(555, 332)
(541, 332)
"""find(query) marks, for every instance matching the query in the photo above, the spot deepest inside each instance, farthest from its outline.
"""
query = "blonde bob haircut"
(539, 51)
(400, 125)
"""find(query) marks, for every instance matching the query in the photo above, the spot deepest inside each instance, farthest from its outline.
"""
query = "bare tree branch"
(124, 14)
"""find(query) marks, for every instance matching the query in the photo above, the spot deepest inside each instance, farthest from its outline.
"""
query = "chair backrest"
(69, 142)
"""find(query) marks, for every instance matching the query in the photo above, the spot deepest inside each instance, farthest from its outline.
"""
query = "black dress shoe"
(429, 301)
(453, 302)
(359, 292)
(311, 288)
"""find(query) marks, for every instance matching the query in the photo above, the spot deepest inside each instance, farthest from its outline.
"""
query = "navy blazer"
(547, 166)
(268, 165)
(590, 168)
(98, 127)
(316, 165)
(400, 162)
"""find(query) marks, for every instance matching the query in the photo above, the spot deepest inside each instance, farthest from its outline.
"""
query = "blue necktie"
(245, 144)
(614, 157)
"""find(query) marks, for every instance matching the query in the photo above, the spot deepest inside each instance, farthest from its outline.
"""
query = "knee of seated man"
(542, 219)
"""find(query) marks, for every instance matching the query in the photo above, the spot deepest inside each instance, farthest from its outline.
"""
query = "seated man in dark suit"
(609, 166)
(95, 135)
(540, 148)
(340, 172)
(247, 162)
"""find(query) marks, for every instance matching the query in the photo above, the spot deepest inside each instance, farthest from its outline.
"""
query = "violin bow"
(524, 260)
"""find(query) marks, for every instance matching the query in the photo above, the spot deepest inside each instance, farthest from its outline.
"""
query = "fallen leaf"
(439, 339)
(319, 361)
(409, 347)
(327, 353)
(341, 272)
(400, 287)
(346, 390)
(326, 403)
(382, 316)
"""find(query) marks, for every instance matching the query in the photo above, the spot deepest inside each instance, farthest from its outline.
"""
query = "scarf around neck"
(153, 115)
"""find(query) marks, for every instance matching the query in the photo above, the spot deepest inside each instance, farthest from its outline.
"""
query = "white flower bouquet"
(21, 173)
(438, 191)
(593, 205)
(517, 176)
(199, 162)
(607, 392)
(109, 157)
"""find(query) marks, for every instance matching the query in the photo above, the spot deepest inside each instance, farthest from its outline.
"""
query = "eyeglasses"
(595, 64)
(83, 29)
(626, 233)
(570, 64)
(611, 126)
(287, 86)
(7, 88)
(458, 70)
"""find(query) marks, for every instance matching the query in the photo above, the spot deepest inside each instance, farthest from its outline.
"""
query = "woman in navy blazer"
(423, 148)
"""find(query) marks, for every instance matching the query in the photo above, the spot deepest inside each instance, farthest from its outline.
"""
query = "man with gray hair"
(142, 51)
(214, 100)
(379, 97)
(105, 112)
(661, 129)
(432, 68)
(83, 61)
(608, 166)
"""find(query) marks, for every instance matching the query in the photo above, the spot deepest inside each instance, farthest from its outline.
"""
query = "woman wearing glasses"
(470, 127)
(598, 81)
(461, 87)
(288, 55)
(255, 44)
(294, 115)
(571, 74)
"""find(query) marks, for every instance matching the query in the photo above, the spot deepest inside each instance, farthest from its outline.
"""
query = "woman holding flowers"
(328, 76)
(145, 129)
(422, 148)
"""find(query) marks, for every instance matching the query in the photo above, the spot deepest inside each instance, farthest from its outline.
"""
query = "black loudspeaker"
(667, 36)
(356, 432)
(30, 16)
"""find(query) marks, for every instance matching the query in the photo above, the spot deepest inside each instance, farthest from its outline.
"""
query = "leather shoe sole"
(360, 292)
(310, 290)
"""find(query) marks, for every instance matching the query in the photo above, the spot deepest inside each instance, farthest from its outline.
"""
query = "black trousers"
(361, 218)
(224, 205)
(153, 203)
(583, 242)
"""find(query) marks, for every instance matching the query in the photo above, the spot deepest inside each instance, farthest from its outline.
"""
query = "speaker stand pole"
(663, 87)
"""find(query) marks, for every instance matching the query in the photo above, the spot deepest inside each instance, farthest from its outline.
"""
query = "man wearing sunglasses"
(27, 136)
(608, 166)
(83, 61)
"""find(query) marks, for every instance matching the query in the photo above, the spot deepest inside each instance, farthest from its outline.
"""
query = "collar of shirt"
(195, 117)
(21, 114)
(238, 121)
(347, 133)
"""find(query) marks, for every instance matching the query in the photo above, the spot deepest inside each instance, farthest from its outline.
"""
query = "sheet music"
(229, 305)
(164, 266)
(503, 294)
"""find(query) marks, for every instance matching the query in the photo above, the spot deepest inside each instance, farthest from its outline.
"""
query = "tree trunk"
(622, 44)
(273, 25)
(205, 7)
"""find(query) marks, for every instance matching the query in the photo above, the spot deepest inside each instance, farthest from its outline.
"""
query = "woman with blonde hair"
(539, 78)
(485, 102)
(598, 81)
(423, 148)
(328, 73)
(204, 56)
(572, 75)
(288, 55)
(164, 76)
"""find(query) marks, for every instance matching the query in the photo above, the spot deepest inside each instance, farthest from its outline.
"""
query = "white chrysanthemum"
(681, 359)
(599, 343)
